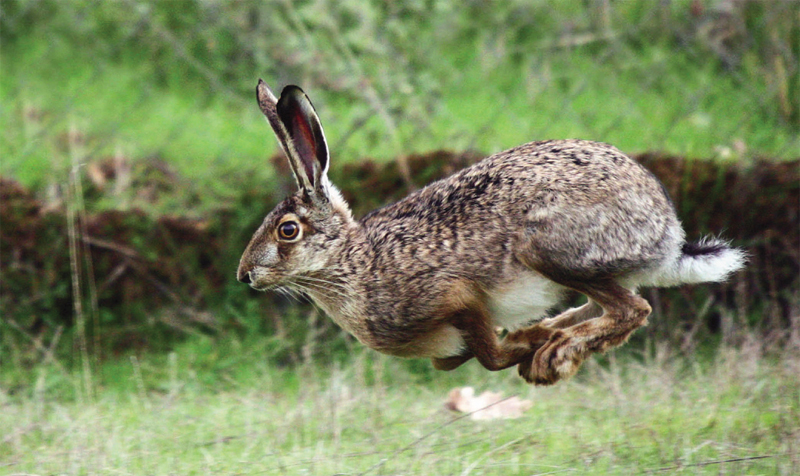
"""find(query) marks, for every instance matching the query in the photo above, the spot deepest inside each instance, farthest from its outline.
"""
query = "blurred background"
(135, 163)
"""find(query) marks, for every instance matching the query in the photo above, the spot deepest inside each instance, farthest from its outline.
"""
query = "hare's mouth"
(261, 279)
(264, 288)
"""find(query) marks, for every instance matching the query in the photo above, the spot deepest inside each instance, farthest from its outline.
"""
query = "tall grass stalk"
(76, 214)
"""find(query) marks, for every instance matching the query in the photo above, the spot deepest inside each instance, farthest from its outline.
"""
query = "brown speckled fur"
(423, 277)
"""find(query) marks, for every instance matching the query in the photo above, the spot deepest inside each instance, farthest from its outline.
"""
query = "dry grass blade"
(709, 463)
(77, 294)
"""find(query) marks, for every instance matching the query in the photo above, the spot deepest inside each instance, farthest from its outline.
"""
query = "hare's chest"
(524, 299)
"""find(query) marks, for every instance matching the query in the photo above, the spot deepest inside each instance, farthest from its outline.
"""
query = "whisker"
(313, 287)
(288, 292)
(346, 288)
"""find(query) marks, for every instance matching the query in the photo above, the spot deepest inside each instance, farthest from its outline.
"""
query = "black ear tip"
(292, 91)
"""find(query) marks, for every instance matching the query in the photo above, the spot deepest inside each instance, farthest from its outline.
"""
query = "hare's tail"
(708, 260)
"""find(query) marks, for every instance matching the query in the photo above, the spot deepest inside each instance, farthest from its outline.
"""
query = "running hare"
(495, 245)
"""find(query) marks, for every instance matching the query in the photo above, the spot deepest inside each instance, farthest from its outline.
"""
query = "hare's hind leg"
(573, 316)
(524, 342)
(532, 335)
(568, 347)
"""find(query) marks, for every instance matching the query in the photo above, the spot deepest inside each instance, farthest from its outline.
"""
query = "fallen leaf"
(486, 406)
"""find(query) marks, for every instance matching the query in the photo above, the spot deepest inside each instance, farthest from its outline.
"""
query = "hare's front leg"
(451, 363)
(568, 347)
(516, 346)
(483, 343)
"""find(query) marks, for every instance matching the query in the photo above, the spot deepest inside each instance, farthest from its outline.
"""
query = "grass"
(204, 410)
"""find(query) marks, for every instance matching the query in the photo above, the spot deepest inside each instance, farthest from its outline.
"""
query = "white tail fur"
(710, 260)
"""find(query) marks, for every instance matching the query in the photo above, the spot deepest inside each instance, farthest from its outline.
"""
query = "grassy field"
(206, 410)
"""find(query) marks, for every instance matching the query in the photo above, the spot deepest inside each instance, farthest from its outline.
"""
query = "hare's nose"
(243, 276)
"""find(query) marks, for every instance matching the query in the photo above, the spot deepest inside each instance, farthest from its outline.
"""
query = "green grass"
(210, 410)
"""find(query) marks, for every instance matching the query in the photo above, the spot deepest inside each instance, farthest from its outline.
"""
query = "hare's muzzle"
(243, 275)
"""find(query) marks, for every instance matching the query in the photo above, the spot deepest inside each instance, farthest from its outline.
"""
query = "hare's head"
(301, 235)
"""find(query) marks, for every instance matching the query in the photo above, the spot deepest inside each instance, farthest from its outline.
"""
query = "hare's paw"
(532, 338)
(557, 359)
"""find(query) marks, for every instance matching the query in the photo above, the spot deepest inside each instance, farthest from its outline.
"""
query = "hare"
(493, 246)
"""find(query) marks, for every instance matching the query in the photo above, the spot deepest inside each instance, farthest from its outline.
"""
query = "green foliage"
(174, 79)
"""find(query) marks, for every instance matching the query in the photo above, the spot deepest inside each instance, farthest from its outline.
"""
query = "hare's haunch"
(495, 245)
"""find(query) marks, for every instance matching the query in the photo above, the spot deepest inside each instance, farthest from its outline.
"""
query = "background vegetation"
(134, 165)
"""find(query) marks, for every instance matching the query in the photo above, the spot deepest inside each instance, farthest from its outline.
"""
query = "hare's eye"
(288, 230)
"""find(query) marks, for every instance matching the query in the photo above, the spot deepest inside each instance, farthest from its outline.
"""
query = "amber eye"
(288, 230)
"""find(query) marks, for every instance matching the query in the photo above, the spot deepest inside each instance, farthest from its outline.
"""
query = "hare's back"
(583, 171)
(589, 210)
(584, 206)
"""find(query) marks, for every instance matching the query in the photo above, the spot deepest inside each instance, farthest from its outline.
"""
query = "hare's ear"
(307, 139)
(299, 131)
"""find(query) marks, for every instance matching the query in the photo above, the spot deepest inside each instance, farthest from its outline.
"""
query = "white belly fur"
(525, 299)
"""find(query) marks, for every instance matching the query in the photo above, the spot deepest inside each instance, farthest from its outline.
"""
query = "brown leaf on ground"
(486, 406)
